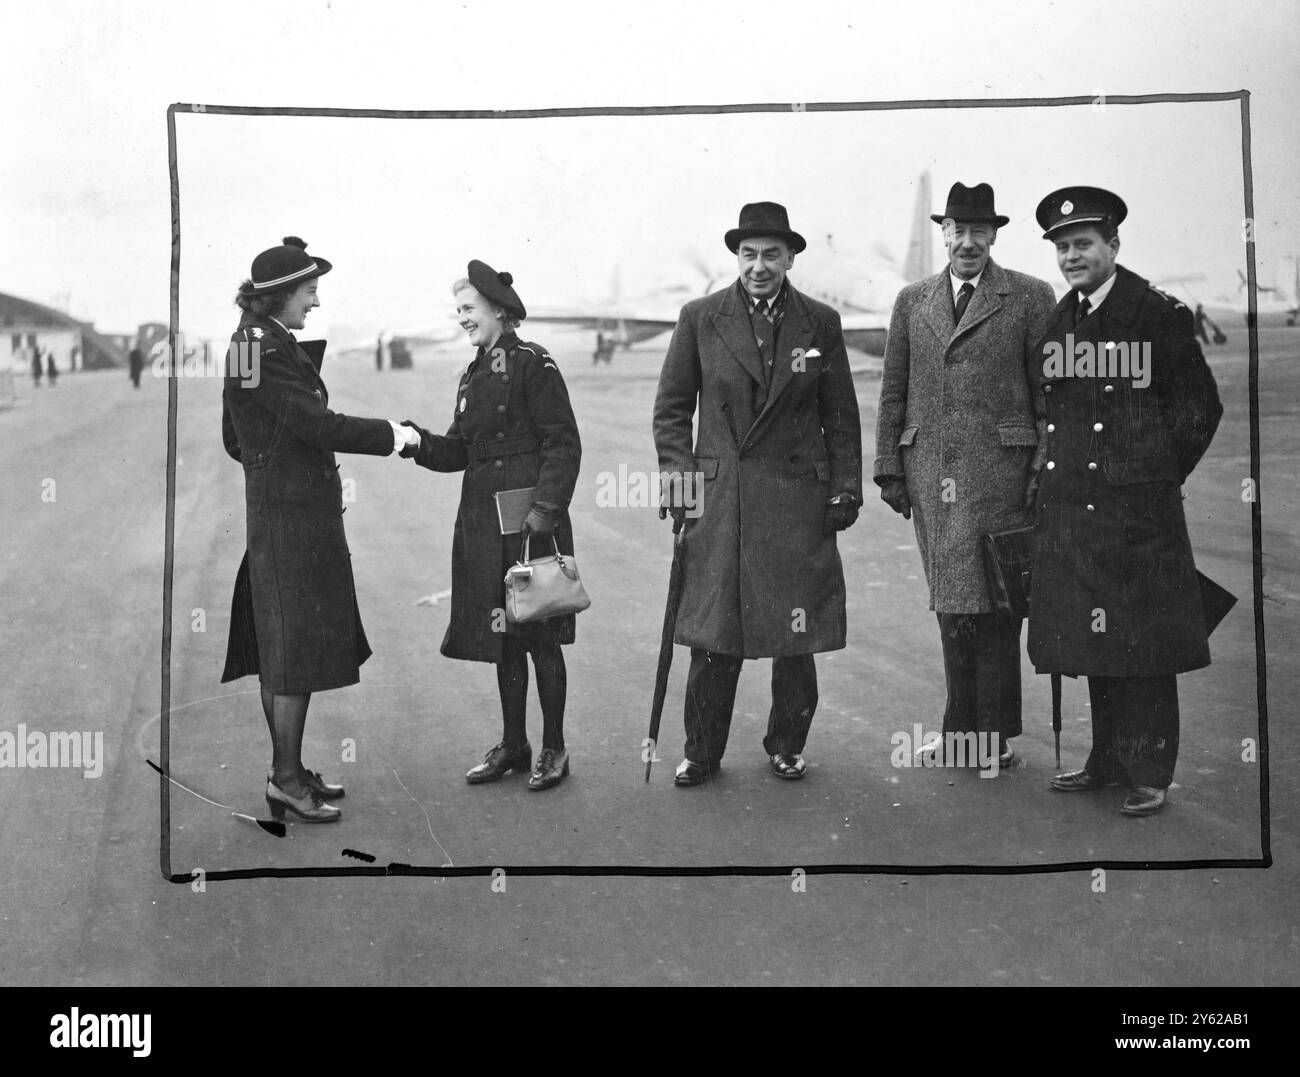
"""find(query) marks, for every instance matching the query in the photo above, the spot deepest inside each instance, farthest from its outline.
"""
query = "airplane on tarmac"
(862, 287)
(1270, 299)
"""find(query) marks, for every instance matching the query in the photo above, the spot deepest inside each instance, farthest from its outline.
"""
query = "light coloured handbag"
(537, 589)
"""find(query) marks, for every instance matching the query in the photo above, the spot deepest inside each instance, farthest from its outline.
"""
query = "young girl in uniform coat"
(512, 428)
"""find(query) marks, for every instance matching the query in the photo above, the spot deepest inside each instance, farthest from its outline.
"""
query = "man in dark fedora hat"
(774, 472)
(955, 443)
(1130, 407)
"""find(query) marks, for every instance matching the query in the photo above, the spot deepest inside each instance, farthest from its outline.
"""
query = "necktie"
(1082, 312)
(763, 333)
(963, 301)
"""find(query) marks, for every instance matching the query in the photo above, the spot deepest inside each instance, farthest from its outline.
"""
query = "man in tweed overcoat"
(955, 449)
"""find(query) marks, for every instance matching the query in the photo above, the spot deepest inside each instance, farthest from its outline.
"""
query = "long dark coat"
(760, 577)
(957, 420)
(513, 428)
(294, 617)
(1110, 535)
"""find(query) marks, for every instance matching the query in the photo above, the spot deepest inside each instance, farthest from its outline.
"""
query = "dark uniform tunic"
(513, 428)
(1110, 532)
(294, 617)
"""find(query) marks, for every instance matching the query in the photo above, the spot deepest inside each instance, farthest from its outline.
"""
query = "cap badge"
(1067, 206)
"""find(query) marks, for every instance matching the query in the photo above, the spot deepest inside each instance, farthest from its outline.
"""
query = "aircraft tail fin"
(920, 260)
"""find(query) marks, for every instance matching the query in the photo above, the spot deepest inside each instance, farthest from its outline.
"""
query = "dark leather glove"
(1031, 490)
(541, 520)
(839, 516)
(894, 494)
(678, 513)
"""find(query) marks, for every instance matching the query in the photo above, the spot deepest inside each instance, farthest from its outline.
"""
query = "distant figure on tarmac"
(513, 428)
(774, 474)
(51, 371)
(294, 619)
(379, 352)
(1202, 320)
(136, 361)
(37, 366)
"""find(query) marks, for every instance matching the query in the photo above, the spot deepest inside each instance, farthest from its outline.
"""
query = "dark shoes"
(499, 761)
(690, 772)
(309, 809)
(790, 767)
(1144, 800)
(1079, 781)
(319, 786)
(552, 768)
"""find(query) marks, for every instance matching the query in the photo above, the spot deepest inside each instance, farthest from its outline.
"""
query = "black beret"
(496, 288)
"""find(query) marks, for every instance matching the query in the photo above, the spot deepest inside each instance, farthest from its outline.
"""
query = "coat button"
(1051, 465)
(1097, 427)
(1047, 388)
(501, 435)
(505, 377)
(1092, 465)
(499, 464)
(1091, 508)
(501, 409)
(1051, 428)
(1108, 389)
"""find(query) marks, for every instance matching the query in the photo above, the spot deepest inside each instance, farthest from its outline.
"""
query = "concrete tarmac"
(84, 901)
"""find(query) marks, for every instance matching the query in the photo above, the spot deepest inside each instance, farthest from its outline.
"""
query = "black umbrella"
(666, 639)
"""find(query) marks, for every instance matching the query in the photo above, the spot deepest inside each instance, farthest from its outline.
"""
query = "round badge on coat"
(462, 403)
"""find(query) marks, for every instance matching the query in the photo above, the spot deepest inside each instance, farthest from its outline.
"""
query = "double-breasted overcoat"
(761, 579)
(957, 420)
(294, 617)
(1114, 591)
(513, 428)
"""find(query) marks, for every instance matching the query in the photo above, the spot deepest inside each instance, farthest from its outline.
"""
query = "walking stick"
(1056, 715)
(666, 639)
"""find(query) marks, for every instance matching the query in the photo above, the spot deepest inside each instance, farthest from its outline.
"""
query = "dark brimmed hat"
(970, 204)
(764, 219)
(496, 288)
(279, 267)
(1079, 205)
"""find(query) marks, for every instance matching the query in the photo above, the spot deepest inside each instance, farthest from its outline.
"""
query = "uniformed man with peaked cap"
(1130, 407)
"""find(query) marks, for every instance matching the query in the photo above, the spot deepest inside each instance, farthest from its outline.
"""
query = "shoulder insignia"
(550, 365)
(257, 332)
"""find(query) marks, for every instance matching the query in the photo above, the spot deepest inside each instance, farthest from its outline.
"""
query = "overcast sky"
(400, 205)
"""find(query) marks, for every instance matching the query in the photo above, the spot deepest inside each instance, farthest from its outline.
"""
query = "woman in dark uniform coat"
(294, 619)
(512, 428)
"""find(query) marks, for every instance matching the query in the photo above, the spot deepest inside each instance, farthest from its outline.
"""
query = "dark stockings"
(286, 717)
(552, 689)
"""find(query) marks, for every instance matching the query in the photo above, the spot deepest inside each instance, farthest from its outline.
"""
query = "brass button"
(1051, 428)
(500, 408)
(498, 463)
(1051, 465)
(1047, 388)
(1097, 427)
(1108, 389)
(501, 435)
(1092, 465)
(505, 377)
(1091, 508)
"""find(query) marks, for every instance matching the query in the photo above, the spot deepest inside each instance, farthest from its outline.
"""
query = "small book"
(512, 507)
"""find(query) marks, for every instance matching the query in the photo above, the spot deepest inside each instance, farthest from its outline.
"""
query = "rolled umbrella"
(1056, 715)
(666, 639)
